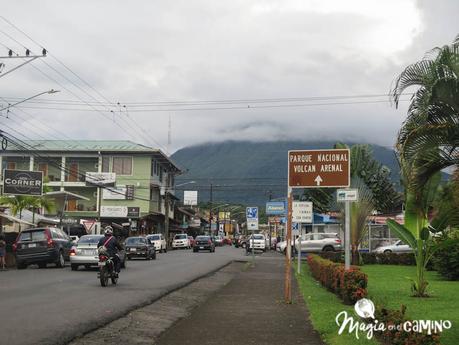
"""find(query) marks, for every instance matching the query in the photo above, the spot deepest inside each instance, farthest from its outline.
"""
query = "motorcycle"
(106, 269)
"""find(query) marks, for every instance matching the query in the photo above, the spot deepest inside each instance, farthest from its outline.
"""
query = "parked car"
(139, 246)
(191, 240)
(256, 241)
(85, 253)
(319, 242)
(159, 242)
(203, 243)
(181, 241)
(42, 246)
(218, 241)
(397, 247)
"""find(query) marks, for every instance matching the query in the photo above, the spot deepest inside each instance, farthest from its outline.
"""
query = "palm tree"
(427, 143)
(432, 125)
(376, 192)
(18, 203)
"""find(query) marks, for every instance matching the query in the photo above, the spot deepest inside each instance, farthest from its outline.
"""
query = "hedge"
(374, 258)
(349, 285)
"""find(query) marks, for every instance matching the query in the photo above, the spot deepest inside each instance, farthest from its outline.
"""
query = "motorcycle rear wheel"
(103, 276)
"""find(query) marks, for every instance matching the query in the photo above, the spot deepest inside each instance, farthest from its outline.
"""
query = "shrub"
(400, 337)
(388, 258)
(446, 260)
(349, 285)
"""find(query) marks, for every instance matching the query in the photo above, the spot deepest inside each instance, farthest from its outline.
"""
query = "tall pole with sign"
(313, 169)
(347, 196)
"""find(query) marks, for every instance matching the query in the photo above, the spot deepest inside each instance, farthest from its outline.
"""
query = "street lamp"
(29, 98)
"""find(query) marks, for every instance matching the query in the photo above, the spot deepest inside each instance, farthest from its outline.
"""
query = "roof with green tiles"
(83, 145)
(88, 146)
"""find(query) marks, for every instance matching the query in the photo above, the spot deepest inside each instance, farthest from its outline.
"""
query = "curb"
(94, 325)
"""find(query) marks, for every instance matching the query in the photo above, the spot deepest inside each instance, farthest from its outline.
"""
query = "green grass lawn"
(323, 307)
(389, 286)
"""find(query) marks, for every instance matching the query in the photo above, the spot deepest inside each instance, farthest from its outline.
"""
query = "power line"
(248, 107)
(147, 138)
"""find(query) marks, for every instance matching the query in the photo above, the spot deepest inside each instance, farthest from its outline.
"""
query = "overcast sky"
(203, 50)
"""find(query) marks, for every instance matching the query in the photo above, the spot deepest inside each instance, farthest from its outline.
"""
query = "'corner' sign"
(319, 168)
(22, 182)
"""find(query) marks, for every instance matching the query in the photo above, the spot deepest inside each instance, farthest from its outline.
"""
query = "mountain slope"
(248, 172)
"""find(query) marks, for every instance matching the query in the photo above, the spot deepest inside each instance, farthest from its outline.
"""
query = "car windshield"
(89, 239)
(154, 238)
(202, 238)
(180, 237)
(135, 240)
(258, 237)
(38, 235)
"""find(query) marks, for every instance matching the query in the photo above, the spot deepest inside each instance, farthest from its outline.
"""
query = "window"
(105, 163)
(122, 165)
(161, 174)
(43, 167)
(154, 167)
(11, 165)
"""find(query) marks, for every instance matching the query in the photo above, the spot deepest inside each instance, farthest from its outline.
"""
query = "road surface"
(52, 305)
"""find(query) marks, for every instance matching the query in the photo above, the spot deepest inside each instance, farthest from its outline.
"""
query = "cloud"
(147, 51)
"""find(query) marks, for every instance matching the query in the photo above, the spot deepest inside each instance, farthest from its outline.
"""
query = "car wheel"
(328, 249)
(123, 263)
(129, 258)
(87, 267)
(74, 267)
(20, 265)
(387, 251)
(148, 257)
(60, 260)
(154, 255)
(42, 265)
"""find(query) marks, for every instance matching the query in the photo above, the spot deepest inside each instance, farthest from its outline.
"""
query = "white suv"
(159, 242)
(257, 241)
(181, 241)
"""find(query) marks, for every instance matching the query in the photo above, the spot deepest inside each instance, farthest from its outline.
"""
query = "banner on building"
(22, 182)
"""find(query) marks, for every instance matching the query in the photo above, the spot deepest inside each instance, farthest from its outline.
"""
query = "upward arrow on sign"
(318, 180)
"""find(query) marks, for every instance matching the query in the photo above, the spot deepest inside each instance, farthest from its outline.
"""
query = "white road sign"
(190, 197)
(302, 212)
(347, 195)
(252, 224)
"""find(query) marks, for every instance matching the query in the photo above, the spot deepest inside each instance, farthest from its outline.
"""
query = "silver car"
(319, 242)
(85, 253)
(397, 247)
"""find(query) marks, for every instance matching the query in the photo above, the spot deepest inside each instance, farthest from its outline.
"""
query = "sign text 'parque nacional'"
(319, 168)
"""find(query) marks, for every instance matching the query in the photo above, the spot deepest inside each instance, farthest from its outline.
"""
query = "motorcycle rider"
(113, 246)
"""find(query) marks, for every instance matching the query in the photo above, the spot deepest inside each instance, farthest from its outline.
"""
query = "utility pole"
(210, 211)
(288, 257)
(166, 219)
(29, 58)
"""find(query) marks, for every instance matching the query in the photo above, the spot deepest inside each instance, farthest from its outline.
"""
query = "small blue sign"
(275, 208)
(251, 212)
(295, 226)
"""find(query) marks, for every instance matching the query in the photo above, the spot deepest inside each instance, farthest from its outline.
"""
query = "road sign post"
(347, 196)
(312, 169)
(252, 224)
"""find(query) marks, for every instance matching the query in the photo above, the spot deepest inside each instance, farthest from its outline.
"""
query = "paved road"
(51, 306)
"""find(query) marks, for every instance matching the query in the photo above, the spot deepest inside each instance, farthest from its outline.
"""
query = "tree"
(432, 124)
(427, 143)
(18, 203)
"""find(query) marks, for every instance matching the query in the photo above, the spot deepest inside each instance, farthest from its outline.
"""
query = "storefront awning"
(14, 219)
(64, 195)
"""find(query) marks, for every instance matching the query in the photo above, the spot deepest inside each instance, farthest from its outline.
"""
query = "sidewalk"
(248, 310)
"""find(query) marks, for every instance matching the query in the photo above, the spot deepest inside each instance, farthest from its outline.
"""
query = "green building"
(143, 177)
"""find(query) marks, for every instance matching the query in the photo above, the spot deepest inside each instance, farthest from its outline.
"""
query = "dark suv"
(42, 246)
